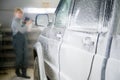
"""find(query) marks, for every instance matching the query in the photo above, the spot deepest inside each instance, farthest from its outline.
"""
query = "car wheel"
(36, 69)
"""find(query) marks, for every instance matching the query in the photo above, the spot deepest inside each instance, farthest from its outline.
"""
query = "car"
(80, 42)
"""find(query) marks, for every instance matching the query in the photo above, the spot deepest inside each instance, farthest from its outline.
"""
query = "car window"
(86, 14)
(116, 29)
(62, 14)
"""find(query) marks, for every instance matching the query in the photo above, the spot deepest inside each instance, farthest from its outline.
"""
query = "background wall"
(7, 7)
(11, 4)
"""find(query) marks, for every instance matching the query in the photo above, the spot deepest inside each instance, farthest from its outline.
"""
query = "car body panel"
(76, 55)
(51, 43)
(39, 51)
(80, 39)
(99, 58)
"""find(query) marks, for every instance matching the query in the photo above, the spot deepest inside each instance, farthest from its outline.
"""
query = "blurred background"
(31, 9)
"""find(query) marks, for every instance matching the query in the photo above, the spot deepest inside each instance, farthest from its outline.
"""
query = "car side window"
(62, 14)
(86, 15)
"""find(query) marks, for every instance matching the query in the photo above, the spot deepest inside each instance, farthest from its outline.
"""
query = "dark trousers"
(21, 51)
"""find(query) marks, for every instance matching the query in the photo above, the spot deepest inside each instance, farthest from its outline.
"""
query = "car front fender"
(39, 52)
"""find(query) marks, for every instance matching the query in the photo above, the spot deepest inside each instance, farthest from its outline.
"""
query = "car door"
(80, 40)
(55, 39)
(105, 64)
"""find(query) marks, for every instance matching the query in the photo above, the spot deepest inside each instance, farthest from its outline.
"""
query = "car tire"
(36, 69)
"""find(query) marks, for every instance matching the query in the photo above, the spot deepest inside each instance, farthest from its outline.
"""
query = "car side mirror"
(42, 20)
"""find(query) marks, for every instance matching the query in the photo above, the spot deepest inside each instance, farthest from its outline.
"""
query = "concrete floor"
(9, 74)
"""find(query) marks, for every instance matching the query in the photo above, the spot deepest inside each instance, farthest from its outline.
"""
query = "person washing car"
(19, 30)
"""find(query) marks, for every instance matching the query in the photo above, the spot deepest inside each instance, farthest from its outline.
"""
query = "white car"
(81, 43)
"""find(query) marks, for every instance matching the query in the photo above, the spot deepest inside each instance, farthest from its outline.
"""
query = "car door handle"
(59, 35)
(87, 41)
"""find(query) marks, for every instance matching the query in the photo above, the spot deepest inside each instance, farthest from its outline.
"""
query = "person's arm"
(17, 27)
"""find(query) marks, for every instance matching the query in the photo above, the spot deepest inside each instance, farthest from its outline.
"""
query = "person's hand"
(28, 23)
